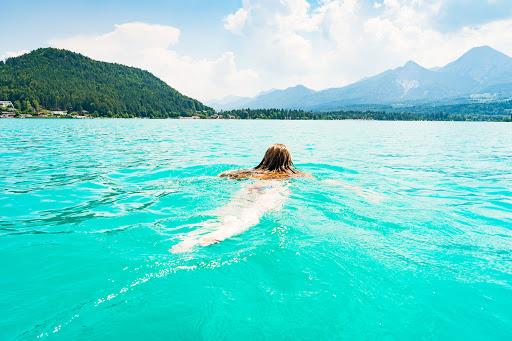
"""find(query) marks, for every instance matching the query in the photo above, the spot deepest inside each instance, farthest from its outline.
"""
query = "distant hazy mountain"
(265, 100)
(481, 74)
(480, 66)
(280, 98)
(230, 102)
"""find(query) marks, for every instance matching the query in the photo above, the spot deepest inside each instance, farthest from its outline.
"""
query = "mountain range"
(482, 74)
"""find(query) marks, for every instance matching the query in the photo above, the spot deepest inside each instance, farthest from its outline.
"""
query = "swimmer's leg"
(244, 211)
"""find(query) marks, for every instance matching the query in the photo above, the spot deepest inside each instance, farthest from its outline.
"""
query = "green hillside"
(62, 80)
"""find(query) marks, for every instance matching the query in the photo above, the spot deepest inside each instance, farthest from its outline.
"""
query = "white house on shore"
(6, 105)
(59, 112)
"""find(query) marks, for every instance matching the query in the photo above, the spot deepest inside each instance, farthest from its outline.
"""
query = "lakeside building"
(59, 112)
(190, 117)
(6, 105)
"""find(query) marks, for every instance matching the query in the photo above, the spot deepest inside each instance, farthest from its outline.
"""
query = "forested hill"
(62, 80)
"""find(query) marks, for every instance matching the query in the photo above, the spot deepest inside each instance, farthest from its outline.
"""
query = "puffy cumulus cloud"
(339, 41)
(149, 47)
(131, 35)
(235, 22)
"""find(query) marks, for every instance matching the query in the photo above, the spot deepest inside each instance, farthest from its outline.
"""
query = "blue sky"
(43, 20)
(215, 48)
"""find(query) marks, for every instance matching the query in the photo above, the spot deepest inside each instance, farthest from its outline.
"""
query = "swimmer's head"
(277, 159)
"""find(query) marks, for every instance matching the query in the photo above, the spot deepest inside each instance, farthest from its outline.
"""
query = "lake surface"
(404, 233)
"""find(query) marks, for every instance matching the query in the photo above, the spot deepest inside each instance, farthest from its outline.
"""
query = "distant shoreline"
(275, 114)
(251, 119)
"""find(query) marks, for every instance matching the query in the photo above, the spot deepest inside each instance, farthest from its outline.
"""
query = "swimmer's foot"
(188, 245)
(208, 240)
(185, 246)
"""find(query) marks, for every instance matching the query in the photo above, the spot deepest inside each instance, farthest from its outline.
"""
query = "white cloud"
(235, 22)
(340, 41)
(10, 54)
(149, 47)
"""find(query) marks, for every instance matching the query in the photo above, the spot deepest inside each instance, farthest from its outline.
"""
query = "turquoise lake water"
(404, 233)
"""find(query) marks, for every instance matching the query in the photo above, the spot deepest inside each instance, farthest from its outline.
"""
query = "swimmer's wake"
(268, 193)
(244, 211)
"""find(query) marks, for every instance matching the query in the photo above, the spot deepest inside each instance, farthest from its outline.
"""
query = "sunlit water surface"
(416, 242)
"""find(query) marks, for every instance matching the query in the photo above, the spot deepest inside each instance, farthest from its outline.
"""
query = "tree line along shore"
(272, 114)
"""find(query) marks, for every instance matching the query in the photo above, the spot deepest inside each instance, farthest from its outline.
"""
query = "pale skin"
(244, 211)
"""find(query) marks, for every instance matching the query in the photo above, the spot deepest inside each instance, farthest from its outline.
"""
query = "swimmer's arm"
(253, 174)
(226, 173)
(366, 194)
(236, 174)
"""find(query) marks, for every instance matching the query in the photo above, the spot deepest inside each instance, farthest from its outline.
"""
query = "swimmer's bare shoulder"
(237, 174)
(262, 175)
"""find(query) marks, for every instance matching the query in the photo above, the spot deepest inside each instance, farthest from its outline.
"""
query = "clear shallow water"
(416, 242)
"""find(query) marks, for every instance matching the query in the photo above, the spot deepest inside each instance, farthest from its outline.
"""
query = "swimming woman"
(276, 164)
(257, 198)
(249, 204)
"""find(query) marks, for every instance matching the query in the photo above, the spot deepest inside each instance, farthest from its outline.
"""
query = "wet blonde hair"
(276, 164)
(277, 158)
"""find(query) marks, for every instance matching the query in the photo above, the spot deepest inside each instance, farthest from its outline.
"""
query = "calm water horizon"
(403, 232)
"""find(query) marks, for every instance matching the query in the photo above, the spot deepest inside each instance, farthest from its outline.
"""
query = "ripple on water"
(402, 221)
